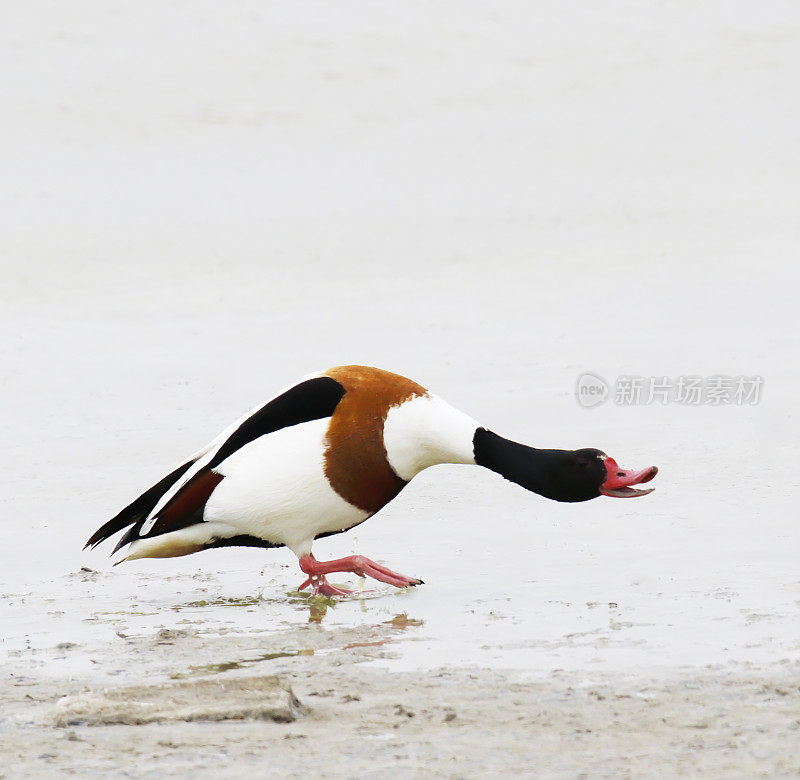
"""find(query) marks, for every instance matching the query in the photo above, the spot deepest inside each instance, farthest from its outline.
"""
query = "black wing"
(310, 400)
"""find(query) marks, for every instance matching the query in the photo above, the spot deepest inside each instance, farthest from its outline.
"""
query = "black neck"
(562, 475)
(519, 463)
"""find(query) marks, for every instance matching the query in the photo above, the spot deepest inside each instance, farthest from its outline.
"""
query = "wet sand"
(215, 685)
(356, 720)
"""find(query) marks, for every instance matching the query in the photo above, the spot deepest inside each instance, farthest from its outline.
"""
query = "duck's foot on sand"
(354, 564)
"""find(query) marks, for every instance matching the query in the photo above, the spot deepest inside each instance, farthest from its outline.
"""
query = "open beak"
(619, 481)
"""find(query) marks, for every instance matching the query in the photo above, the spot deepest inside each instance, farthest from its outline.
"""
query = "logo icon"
(591, 390)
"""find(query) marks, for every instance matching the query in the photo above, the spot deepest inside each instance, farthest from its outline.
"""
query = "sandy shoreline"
(358, 719)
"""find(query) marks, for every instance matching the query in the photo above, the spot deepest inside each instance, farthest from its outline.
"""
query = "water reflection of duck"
(325, 455)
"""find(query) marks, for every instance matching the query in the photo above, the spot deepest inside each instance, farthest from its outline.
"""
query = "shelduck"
(326, 454)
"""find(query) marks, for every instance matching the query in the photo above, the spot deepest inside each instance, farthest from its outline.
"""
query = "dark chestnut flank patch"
(356, 464)
(188, 505)
(184, 509)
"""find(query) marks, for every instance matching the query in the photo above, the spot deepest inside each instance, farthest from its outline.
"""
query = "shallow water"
(588, 603)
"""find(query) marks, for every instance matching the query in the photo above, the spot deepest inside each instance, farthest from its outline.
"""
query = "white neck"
(425, 431)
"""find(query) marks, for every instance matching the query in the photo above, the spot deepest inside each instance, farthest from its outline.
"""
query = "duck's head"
(561, 475)
(580, 475)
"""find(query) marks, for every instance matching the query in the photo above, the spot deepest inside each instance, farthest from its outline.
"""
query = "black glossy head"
(568, 475)
(561, 475)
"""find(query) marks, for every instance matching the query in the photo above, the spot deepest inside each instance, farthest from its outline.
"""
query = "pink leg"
(355, 564)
